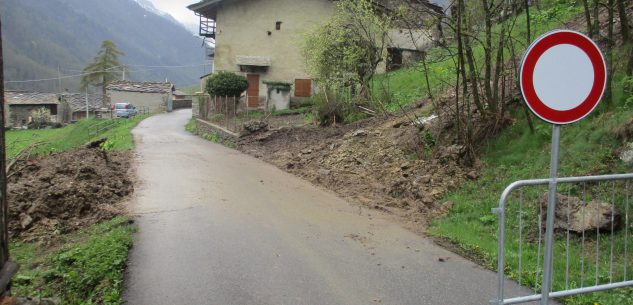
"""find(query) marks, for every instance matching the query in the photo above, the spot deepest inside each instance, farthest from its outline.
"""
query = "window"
(303, 87)
(278, 25)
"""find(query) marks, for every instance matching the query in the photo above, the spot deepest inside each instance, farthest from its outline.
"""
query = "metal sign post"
(562, 79)
(551, 210)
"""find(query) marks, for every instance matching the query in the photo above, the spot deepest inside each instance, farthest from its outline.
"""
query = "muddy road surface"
(220, 227)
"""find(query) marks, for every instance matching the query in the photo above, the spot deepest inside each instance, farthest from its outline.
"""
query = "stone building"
(22, 106)
(145, 96)
(78, 107)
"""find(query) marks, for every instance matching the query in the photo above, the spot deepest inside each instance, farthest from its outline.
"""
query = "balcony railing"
(207, 27)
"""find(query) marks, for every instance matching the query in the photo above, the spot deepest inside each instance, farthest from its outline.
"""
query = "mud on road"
(64, 192)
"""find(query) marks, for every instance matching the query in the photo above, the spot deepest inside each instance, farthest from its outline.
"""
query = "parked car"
(124, 110)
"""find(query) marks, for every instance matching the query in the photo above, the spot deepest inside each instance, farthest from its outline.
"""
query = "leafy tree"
(103, 69)
(348, 48)
(226, 84)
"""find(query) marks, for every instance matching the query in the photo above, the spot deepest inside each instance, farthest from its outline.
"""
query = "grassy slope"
(408, 85)
(84, 267)
(517, 154)
(70, 137)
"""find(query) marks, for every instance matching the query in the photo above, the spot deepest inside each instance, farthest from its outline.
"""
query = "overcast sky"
(178, 9)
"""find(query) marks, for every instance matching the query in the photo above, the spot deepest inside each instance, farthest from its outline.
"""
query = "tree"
(347, 49)
(103, 69)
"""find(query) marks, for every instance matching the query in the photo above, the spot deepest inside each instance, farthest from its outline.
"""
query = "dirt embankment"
(63, 192)
(397, 164)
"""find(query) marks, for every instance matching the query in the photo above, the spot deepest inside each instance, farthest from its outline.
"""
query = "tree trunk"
(596, 19)
(528, 21)
(426, 78)
(624, 22)
(610, 44)
(488, 53)
(626, 35)
(585, 4)
(4, 213)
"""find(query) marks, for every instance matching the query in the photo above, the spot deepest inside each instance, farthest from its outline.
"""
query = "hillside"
(40, 36)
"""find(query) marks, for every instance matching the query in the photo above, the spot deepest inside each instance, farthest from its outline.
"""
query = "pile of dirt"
(398, 164)
(64, 192)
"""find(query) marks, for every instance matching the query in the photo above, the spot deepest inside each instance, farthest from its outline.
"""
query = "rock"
(424, 121)
(405, 165)
(453, 152)
(425, 179)
(306, 151)
(359, 133)
(25, 221)
(436, 192)
(594, 215)
(626, 155)
(324, 172)
(472, 175)
(251, 127)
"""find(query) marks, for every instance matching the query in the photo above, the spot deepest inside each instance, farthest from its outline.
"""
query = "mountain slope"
(40, 36)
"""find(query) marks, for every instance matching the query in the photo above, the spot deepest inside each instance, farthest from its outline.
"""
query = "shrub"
(226, 84)
(330, 108)
(42, 119)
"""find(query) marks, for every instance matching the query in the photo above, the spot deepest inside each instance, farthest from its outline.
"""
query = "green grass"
(72, 136)
(586, 149)
(87, 269)
(408, 85)
(192, 126)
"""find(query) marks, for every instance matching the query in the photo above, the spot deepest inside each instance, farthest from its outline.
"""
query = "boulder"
(251, 127)
(572, 214)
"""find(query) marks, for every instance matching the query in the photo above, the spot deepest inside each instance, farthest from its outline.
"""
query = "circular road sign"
(563, 76)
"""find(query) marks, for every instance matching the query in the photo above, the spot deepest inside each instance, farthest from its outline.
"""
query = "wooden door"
(253, 90)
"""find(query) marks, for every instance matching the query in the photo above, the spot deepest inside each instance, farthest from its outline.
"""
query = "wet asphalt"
(220, 227)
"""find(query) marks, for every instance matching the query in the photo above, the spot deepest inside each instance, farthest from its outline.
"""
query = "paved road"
(220, 227)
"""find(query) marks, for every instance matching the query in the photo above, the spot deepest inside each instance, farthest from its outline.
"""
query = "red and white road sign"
(563, 76)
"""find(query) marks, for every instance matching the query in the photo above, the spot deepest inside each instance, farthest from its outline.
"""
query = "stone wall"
(203, 127)
(180, 104)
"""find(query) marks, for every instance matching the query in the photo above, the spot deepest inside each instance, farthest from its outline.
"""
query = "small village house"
(261, 39)
(153, 97)
(22, 106)
(78, 103)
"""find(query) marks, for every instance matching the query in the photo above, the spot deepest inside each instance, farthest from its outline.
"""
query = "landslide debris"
(63, 192)
(399, 165)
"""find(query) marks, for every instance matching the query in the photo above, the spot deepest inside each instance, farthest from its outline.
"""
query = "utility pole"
(87, 105)
(123, 76)
(7, 269)
(59, 79)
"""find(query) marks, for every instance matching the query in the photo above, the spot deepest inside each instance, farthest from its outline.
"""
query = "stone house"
(261, 40)
(22, 106)
(153, 97)
(76, 105)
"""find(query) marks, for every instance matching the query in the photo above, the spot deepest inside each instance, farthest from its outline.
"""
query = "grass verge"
(72, 136)
(586, 149)
(83, 268)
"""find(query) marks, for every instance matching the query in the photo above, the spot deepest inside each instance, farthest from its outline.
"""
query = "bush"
(226, 84)
(330, 108)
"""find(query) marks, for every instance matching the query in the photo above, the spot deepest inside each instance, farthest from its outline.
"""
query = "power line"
(83, 74)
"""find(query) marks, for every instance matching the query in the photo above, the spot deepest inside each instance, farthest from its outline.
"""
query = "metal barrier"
(229, 112)
(101, 126)
(588, 260)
